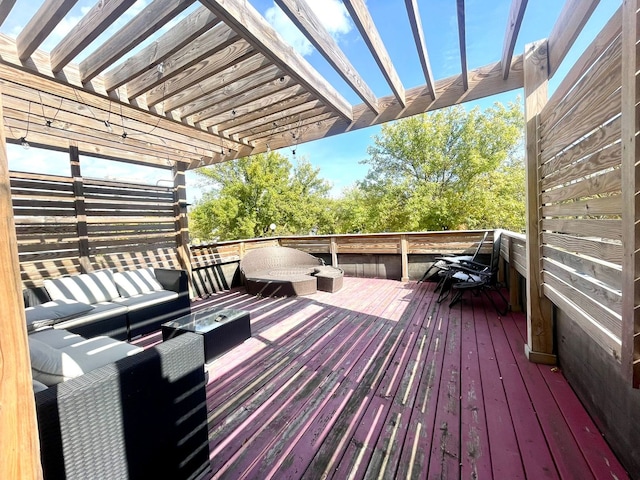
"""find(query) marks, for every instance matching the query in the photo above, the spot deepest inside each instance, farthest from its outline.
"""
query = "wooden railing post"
(81, 211)
(181, 221)
(540, 342)
(514, 282)
(334, 252)
(18, 425)
(404, 255)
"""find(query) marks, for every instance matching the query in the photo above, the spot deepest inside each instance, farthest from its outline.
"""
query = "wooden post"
(539, 347)
(181, 221)
(404, 254)
(81, 211)
(19, 440)
(334, 252)
(630, 351)
(514, 281)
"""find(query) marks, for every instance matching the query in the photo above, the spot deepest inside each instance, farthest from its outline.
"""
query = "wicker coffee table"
(222, 329)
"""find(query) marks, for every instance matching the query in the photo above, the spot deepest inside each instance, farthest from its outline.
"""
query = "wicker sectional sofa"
(121, 305)
(143, 416)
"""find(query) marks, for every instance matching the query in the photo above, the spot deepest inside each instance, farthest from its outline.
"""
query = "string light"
(23, 140)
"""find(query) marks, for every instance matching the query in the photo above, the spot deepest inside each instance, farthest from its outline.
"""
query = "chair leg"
(502, 312)
(445, 289)
(426, 274)
(456, 298)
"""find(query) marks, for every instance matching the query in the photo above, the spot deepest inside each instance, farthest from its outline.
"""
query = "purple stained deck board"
(506, 460)
(474, 438)
(358, 382)
(566, 454)
(414, 457)
(445, 460)
(536, 458)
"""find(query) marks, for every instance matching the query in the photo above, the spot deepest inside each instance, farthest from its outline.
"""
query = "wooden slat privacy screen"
(580, 181)
(126, 225)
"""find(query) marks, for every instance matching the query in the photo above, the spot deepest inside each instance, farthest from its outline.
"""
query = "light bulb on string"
(24, 143)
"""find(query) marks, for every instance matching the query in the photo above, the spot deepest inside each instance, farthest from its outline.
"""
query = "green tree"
(249, 194)
(449, 169)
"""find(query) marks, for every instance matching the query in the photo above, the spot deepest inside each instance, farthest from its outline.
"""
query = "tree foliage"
(449, 169)
(249, 194)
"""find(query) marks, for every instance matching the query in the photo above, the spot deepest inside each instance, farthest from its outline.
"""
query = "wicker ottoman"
(329, 279)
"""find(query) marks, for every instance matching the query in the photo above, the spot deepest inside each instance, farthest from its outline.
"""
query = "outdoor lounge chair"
(469, 275)
(442, 263)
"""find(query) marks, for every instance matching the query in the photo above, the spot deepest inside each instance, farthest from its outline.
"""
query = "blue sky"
(338, 157)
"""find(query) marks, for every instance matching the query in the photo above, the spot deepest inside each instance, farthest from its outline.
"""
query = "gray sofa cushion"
(144, 300)
(96, 352)
(46, 314)
(56, 338)
(100, 311)
(135, 282)
(50, 365)
(59, 355)
(89, 288)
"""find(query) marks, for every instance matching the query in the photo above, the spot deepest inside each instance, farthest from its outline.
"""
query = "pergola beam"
(152, 55)
(250, 83)
(204, 83)
(483, 82)
(462, 37)
(217, 40)
(99, 18)
(263, 91)
(241, 16)
(310, 25)
(5, 9)
(41, 25)
(143, 25)
(361, 17)
(572, 18)
(421, 46)
(516, 14)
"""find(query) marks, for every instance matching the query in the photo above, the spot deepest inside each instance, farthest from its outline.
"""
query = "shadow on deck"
(379, 380)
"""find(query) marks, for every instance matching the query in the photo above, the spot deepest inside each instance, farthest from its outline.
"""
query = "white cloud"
(332, 14)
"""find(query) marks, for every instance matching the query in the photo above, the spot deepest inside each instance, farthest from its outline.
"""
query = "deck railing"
(402, 256)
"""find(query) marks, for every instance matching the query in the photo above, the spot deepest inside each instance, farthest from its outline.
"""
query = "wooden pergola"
(221, 84)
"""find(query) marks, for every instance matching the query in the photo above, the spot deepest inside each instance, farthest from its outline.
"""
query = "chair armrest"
(172, 280)
(473, 265)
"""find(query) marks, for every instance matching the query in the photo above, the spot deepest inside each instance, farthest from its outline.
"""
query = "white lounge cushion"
(50, 365)
(96, 352)
(135, 282)
(100, 311)
(46, 314)
(89, 288)
(143, 300)
(56, 338)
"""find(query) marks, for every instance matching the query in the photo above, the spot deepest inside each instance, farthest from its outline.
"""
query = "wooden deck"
(380, 381)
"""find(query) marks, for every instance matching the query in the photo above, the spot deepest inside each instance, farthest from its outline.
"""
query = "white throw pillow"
(94, 287)
(50, 366)
(135, 282)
